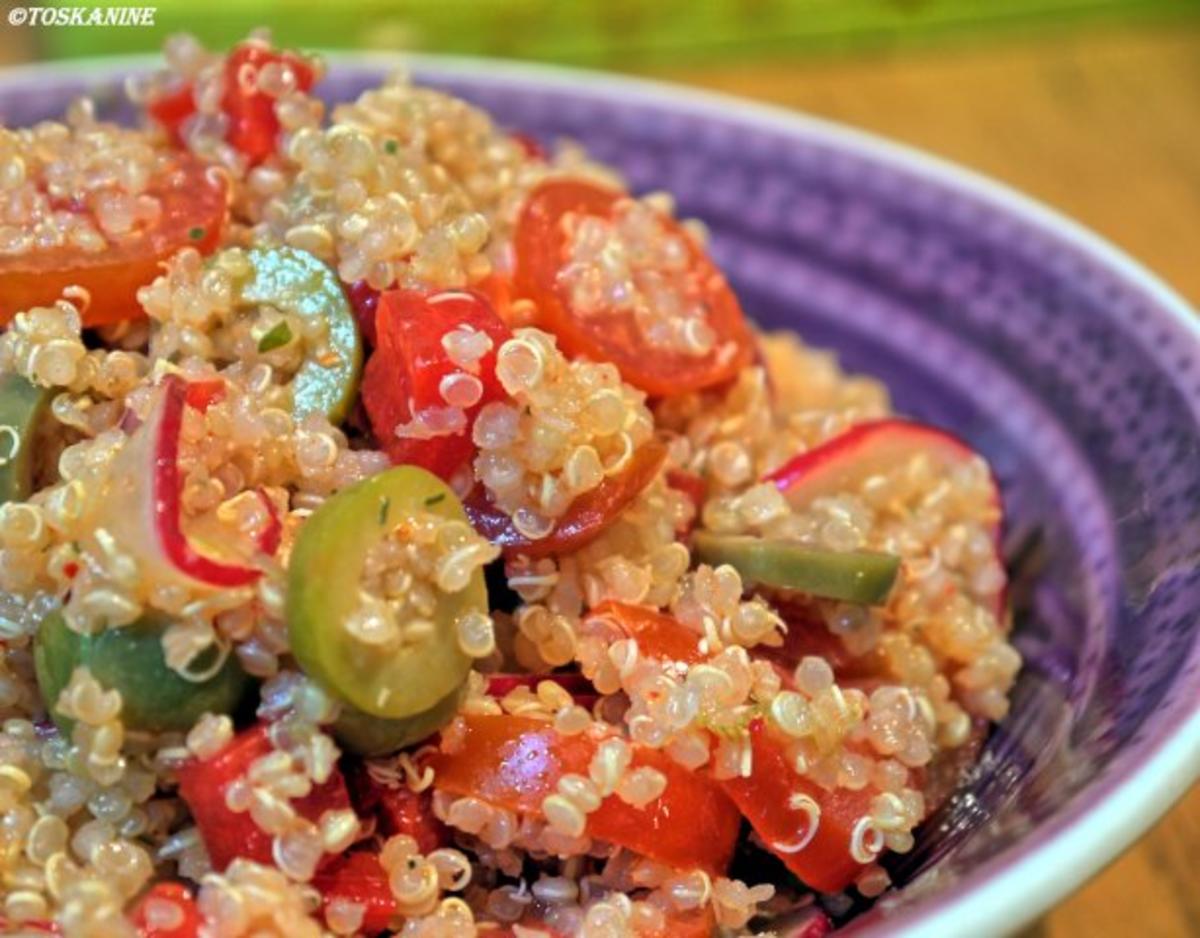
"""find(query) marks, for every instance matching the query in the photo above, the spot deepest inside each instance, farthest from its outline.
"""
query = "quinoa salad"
(404, 530)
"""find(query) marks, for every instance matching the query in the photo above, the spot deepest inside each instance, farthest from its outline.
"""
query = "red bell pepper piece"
(360, 878)
(230, 834)
(397, 809)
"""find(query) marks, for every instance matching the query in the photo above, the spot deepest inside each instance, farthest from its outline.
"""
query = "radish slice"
(845, 462)
(145, 511)
(271, 535)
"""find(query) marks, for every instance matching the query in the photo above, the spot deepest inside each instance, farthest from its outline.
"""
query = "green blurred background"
(601, 32)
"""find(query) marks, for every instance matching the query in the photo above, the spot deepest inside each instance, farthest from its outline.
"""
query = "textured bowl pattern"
(1072, 371)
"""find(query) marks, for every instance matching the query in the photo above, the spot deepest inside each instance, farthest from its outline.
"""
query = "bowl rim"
(1020, 883)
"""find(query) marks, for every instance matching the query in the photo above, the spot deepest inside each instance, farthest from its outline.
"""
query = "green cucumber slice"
(324, 578)
(295, 282)
(130, 659)
(22, 406)
(864, 577)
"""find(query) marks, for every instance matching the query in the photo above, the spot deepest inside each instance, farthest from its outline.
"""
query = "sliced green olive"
(22, 406)
(366, 735)
(130, 659)
(324, 593)
(864, 577)
(298, 284)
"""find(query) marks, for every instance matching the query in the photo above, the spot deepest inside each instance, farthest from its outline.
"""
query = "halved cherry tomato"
(253, 126)
(657, 635)
(586, 518)
(542, 250)
(411, 368)
(193, 214)
(228, 834)
(514, 762)
(148, 918)
(359, 878)
(822, 859)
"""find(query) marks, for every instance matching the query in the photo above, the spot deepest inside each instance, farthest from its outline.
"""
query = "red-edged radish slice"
(845, 462)
(271, 536)
(144, 511)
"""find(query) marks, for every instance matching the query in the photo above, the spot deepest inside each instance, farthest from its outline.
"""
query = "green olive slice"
(864, 577)
(325, 578)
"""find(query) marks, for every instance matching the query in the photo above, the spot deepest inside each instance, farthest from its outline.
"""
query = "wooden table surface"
(1104, 125)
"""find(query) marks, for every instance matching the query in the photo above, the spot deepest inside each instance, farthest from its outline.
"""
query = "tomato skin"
(361, 878)
(228, 834)
(399, 810)
(541, 250)
(404, 374)
(253, 127)
(825, 863)
(180, 896)
(657, 635)
(515, 762)
(586, 518)
(192, 201)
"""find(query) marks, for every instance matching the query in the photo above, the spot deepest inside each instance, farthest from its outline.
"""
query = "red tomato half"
(407, 374)
(193, 214)
(515, 762)
(541, 251)
(253, 126)
(228, 834)
(586, 518)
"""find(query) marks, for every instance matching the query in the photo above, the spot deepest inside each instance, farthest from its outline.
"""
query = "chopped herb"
(279, 336)
(196, 233)
(385, 508)
(434, 499)
(390, 146)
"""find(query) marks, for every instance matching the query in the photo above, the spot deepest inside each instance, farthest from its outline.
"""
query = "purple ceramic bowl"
(1070, 366)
